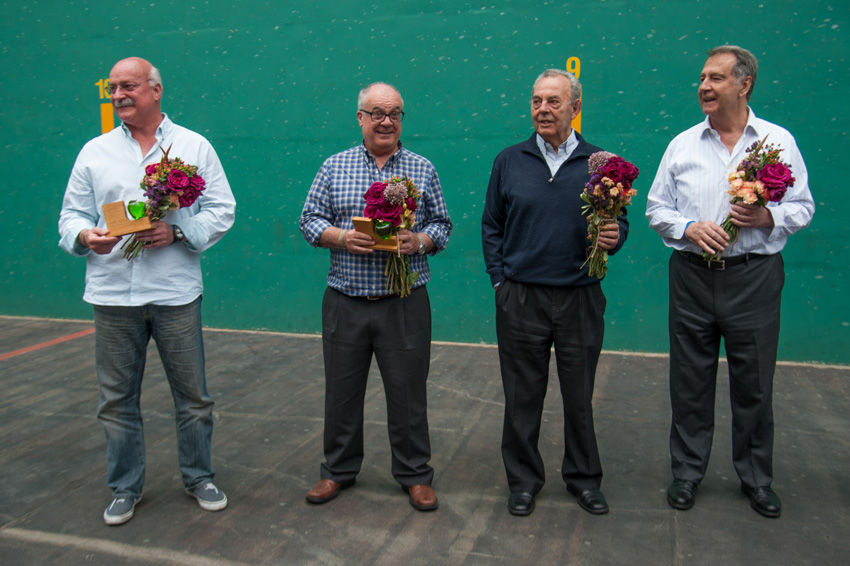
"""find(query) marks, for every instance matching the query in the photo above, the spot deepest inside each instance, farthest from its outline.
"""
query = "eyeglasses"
(126, 87)
(379, 115)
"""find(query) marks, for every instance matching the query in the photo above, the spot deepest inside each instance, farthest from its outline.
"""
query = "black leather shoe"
(680, 494)
(521, 503)
(763, 500)
(592, 501)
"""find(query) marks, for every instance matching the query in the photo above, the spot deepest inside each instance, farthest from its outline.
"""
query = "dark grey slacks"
(529, 320)
(741, 305)
(398, 332)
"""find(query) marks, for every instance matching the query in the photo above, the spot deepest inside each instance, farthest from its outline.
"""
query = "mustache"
(124, 102)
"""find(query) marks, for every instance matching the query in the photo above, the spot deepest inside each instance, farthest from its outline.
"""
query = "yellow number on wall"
(574, 66)
(107, 118)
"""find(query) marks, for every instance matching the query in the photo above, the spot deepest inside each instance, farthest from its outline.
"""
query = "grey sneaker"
(120, 510)
(209, 497)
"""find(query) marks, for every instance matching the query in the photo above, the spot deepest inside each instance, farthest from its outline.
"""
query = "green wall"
(273, 85)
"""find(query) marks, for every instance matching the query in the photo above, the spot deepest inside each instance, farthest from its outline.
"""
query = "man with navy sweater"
(535, 242)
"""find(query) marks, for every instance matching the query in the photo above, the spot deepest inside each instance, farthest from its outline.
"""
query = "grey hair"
(154, 78)
(746, 66)
(575, 86)
(361, 98)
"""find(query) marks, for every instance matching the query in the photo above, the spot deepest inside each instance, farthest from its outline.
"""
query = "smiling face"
(380, 138)
(720, 94)
(551, 111)
(140, 106)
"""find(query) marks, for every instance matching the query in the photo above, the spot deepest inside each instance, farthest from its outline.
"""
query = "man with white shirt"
(534, 239)
(736, 298)
(158, 294)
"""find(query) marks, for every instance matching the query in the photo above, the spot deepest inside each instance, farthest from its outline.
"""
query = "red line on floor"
(47, 344)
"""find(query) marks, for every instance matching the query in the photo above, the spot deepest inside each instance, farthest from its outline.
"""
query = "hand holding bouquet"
(169, 184)
(392, 205)
(607, 192)
(760, 178)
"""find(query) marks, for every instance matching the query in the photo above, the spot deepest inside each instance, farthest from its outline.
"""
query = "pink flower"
(151, 169)
(411, 204)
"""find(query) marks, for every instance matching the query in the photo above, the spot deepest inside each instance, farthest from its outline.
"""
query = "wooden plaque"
(117, 222)
(365, 226)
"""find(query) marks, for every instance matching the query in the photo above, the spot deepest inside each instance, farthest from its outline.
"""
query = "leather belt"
(371, 297)
(718, 264)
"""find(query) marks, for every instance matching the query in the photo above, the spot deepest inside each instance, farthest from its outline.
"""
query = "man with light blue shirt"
(157, 294)
(361, 316)
(736, 298)
(534, 238)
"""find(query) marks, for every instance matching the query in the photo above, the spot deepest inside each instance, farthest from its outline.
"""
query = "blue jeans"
(122, 335)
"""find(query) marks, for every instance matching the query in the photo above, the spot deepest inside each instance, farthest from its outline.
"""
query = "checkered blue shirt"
(337, 195)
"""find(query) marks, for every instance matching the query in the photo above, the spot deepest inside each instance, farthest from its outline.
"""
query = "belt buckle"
(716, 264)
(372, 297)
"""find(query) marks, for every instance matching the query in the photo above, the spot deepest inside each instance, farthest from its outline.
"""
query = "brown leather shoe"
(325, 490)
(422, 497)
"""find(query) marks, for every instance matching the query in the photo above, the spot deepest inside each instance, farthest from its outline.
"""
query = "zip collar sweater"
(532, 228)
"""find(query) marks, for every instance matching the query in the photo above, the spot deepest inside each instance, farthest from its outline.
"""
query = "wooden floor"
(267, 448)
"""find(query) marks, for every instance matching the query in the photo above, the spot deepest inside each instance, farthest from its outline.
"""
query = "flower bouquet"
(168, 185)
(760, 178)
(391, 206)
(607, 192)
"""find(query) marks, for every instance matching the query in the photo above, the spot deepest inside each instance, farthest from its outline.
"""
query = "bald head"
(136, 89)
(144, 66)
(380, 137)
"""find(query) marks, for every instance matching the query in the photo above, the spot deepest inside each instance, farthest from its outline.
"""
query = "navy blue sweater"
(532, 229)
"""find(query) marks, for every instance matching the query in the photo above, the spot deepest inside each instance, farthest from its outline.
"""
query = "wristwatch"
(421, 250)
(178, 233)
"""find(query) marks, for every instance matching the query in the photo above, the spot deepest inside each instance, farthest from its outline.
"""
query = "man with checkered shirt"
(360, 316)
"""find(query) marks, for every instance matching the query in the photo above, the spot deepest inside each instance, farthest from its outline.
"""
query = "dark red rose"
(775, 195)
(192, 191)
(177, 180)
(620, 171)
(776, 177)
(197, 182)
(411, 204)
(391, 213)
(151, 169)
(375, 195)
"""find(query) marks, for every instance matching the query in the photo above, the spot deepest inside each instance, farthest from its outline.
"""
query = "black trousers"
(741, 305)
(398, 332)
(529, 320)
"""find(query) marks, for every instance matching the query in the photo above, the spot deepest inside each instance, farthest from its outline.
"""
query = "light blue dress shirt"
(109, 168)
(555, 160)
